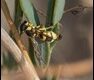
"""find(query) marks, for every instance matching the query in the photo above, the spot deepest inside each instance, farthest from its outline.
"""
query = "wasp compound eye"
(23, 27)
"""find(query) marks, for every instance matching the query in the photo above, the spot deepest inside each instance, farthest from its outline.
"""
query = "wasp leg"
(50, 27)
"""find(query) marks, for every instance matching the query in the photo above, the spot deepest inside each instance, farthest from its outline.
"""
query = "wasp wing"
(37, 52)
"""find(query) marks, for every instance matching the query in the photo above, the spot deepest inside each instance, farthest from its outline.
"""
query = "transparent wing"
(37, 51)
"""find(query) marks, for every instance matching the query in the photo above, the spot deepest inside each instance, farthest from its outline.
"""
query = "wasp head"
(23, 27)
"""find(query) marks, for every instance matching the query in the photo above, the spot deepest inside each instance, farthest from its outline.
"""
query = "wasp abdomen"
(40, 33)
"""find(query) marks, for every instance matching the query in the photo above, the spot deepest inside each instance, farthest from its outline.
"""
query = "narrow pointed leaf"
(54, 15)
(29, 11)
(32, 16)
(18, 13)
(55, 11)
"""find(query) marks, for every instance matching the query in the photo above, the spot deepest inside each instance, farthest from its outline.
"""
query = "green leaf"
(58, 11)
(55, 11)
(48, 47)
(46, 52)
(29, 11)
(9, 61)
(18, 13)
(31, 51)
(54, 15)
(31, 14)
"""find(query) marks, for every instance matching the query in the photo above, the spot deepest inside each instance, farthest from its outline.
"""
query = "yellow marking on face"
(27, 24)
(29, 28)
(30, 24)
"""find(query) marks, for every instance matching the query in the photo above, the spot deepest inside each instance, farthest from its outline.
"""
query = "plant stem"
(66, 11)
(17, 38)
(9, 44)
(73, 69)
(14, 30)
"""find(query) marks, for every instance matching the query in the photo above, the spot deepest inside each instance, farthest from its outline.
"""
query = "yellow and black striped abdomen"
(40, 33)
(47, 36)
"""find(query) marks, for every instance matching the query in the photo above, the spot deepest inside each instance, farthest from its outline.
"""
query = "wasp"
(40, 33)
